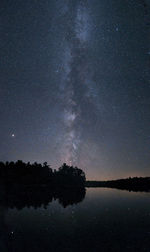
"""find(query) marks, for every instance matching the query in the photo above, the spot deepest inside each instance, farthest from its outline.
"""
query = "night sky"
(75, 84)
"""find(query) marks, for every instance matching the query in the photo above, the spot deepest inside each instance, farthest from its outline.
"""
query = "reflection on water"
(36, 196)
(106, 220)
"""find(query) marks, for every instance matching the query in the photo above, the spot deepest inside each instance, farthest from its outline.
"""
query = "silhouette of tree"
(70, 176)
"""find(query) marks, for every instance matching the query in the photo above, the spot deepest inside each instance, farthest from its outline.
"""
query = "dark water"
(105, 220)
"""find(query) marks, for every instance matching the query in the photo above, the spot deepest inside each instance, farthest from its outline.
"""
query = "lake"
(104, 220)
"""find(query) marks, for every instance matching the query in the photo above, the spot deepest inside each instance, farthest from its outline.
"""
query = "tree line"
(21, 173)
(130, 184)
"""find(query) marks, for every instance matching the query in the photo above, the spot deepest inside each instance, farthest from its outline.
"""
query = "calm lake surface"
(105, 220)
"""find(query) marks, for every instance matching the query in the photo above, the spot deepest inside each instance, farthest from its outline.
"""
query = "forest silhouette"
(135, 184)
(21, 173)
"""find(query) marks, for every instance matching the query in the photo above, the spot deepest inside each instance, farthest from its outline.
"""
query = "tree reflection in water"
(35, 196)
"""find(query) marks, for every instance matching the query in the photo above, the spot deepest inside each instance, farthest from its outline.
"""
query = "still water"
(105, 220)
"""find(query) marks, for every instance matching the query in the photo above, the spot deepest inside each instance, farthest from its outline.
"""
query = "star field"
(75, 85)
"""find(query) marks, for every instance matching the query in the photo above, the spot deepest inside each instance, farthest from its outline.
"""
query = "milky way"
(76, 82)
